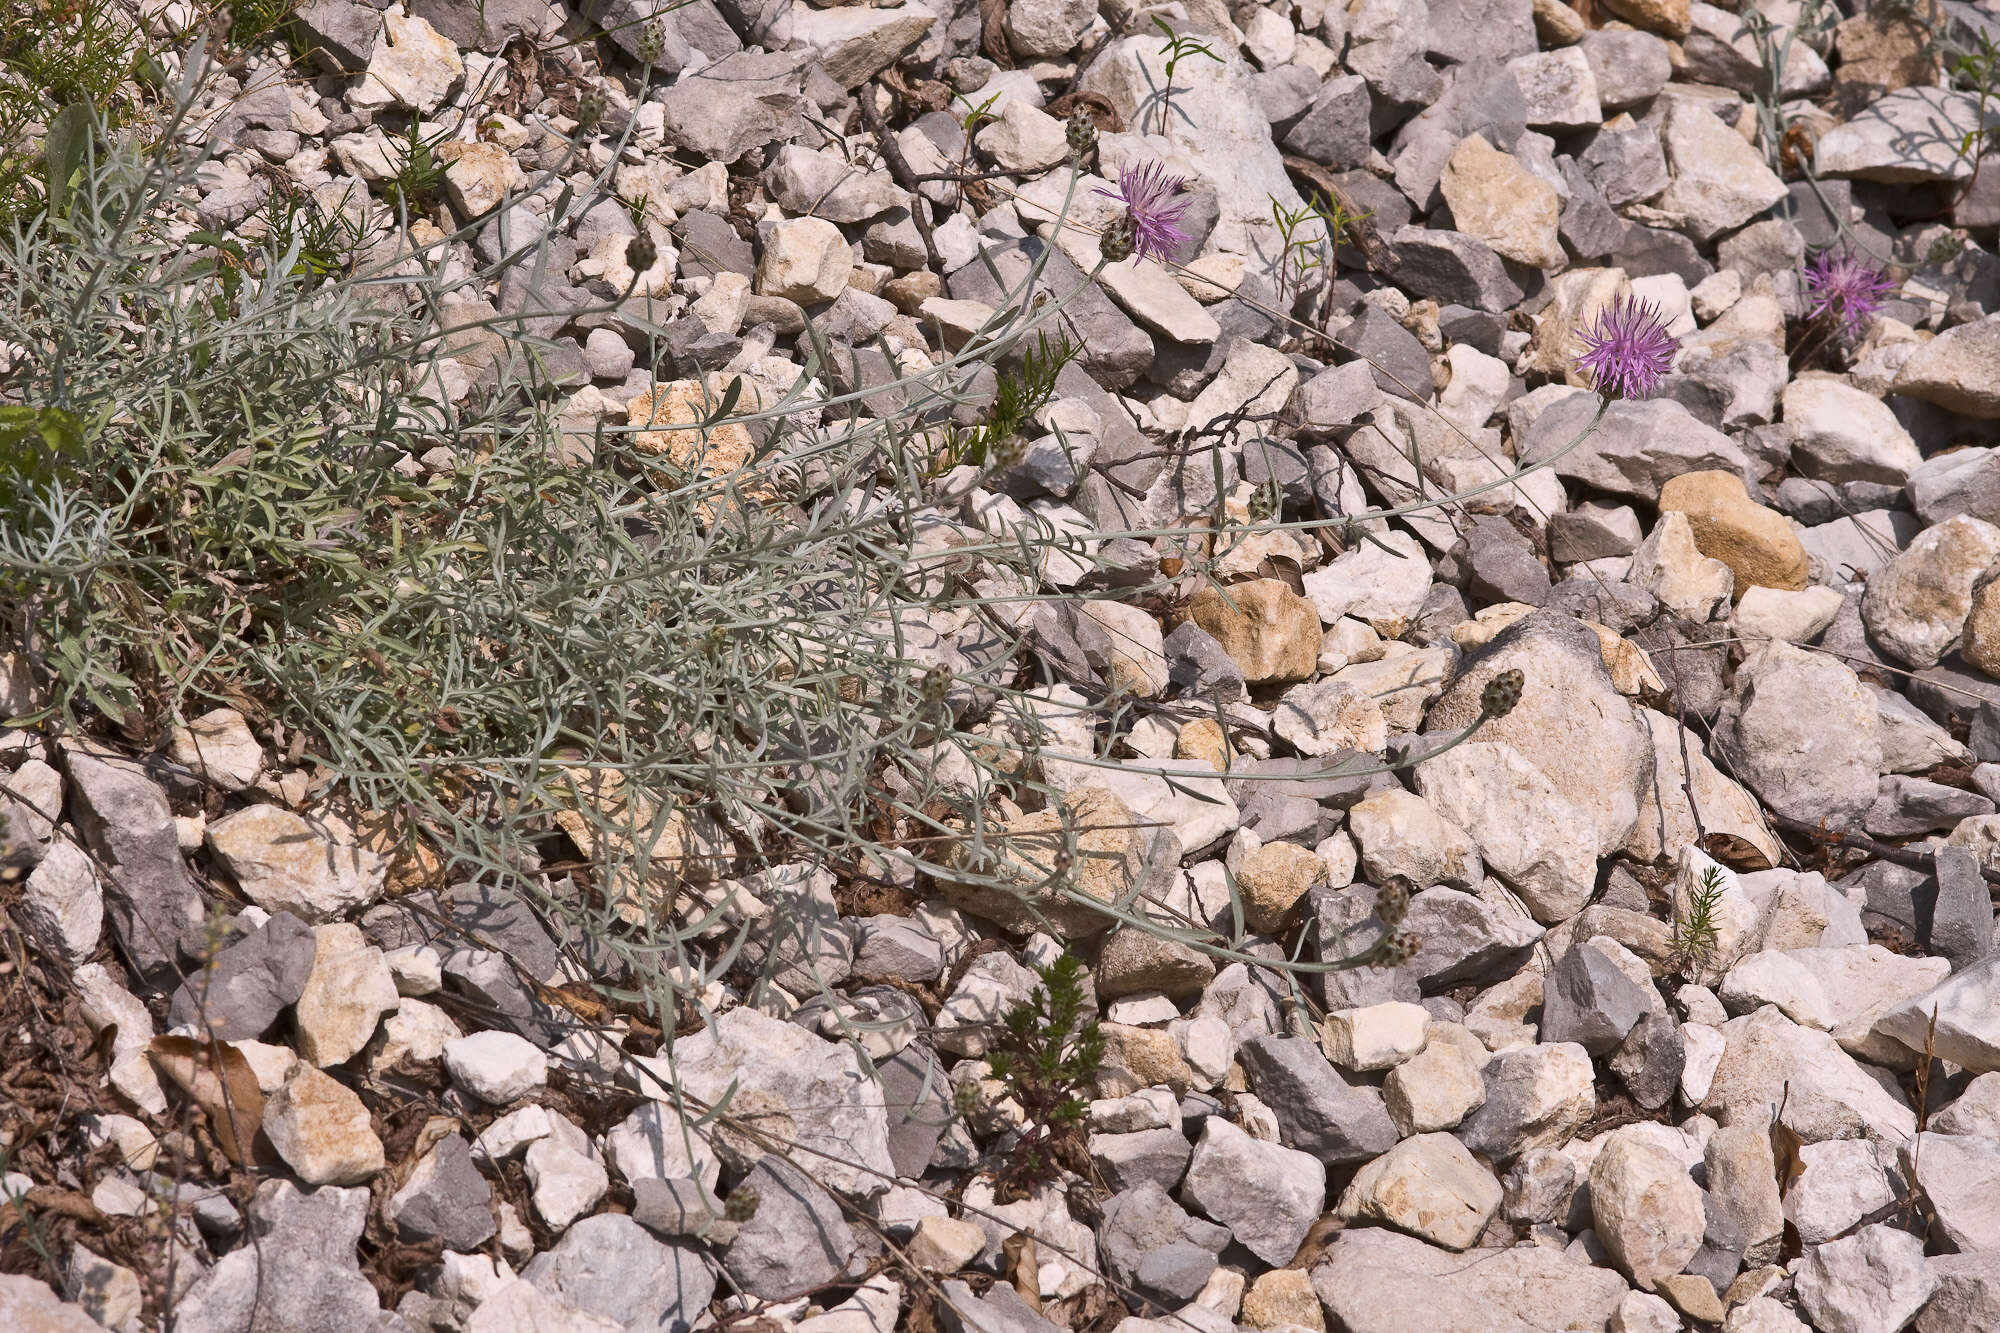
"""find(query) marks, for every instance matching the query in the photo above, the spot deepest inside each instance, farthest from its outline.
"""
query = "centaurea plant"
(1627, 349)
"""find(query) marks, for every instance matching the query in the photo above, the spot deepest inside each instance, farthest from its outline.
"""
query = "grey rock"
(1318, 1111)
(1630, 66)
(897, 947)
(709, 245)
(796, 1240)
(1401, 366)
(1648, 251)
(741, 102)
(1266, 1194)
(340, 33)
(488, 980)
(1116, 350)
(1635, 449)
(129, 830)
(1960, 919)
(1799, 730)
(1651, 1059)
(1746, 1216)
(250, 982)
(1376, 1281)
(1590, 227)
(1198, 666)
(488, 25)
(1151, 1242)
(681, 1208)
(1538, 1187)
(1626, 165)
(1156, 1155)
(1468, 30)
(1501, 563)
(1334, 130)
(1536, 1097)
(1451, 267)
(1466, 938)
(1000, 1310)
(261, 1289)
(1479, 97)
(1588, 999)
(1905, 806)
(444, 1199)
(610, 1265)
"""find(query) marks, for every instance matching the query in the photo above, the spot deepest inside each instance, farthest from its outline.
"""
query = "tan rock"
(1556, 24)
(1981, 645)
(667, 414)
(346, 994)
(1283, 1297)
(1203, 739)
(1631, 669)
(945, 1244)
(478, 176)
(1669, 18)
(807, 260)
(1272, 879)
(322, 1130)
(1015, 884)
(1136, 1058)
(1492, 196)
(1758, 544)
(1268, 630)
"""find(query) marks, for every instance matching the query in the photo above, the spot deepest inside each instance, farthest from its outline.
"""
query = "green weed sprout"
(1047, 1057)
(1695, 932)
(1177, 49)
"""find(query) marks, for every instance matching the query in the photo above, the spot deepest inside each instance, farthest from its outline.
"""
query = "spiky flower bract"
(1844, 288)
(1155, 202)
(1627, 349)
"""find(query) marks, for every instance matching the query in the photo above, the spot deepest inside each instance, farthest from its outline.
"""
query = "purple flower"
(1153, 199)
(1844, 288)
(1628, 348)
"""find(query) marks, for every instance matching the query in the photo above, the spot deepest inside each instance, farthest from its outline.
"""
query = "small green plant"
(1306, 254)
(1945, 249)
(1177, 49)
(1978, 70)
(1017, 395)
(1046, 1057)
(63, 67)
(1695, 929)
(420, 172)
(250, 21)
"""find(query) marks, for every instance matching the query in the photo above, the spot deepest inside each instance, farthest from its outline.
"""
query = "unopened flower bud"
(1396, 949)
(1081, 132)
(641, 254)
(1501, 694)
(1392, 903)
(1116, 240)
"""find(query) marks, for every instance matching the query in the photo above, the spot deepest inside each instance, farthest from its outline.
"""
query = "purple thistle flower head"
(1627, 349)
(1844, 288)
(1156, 204)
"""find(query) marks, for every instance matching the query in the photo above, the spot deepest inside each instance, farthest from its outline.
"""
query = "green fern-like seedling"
(1049, 1052)
(1695, 931)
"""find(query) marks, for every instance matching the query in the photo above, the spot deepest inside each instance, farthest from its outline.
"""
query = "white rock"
(1705, 1046)
(1384, 588)
(806, 260)
(567, 1183)
(1379, 1036)
(1646, 1208)
(496, 1067)
(218, 746)
(1769, 977)
(1844, 1181)
(1527, 832)
(1668, 565)
(1775, 613)
(1873, 1281)
(285, 864)
(322, 1130)
(1841, 433)
(1429, 1186)
(1968, 1018)
(414, 66)
(1267, 1195)
(62, 906)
